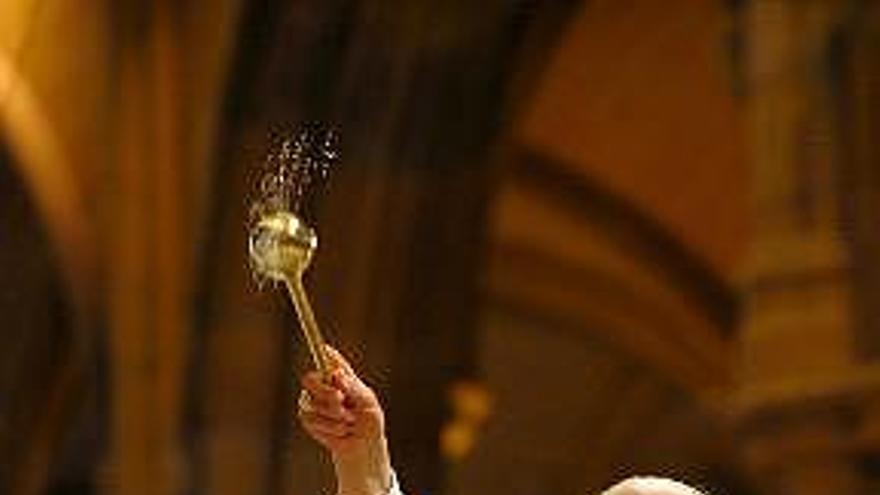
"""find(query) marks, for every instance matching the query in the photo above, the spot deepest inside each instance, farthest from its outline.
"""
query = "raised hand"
(345, 416)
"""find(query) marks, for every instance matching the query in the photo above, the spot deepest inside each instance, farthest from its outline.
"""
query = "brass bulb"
(281, 245)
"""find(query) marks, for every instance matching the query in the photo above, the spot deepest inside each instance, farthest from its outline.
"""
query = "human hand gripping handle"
(344, 415)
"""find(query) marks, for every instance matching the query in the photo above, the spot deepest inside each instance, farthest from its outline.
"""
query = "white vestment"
(395, 486)
(632, 486)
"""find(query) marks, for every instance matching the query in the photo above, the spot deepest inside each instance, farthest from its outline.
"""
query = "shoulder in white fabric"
(651, 486)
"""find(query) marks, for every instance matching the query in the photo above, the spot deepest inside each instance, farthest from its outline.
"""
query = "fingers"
(344, 393)
(318, 425)
(356, 394)
(331, 435)
(343, 377)
(338, 361)
(323, 399)
(319, 390)
(325, 420)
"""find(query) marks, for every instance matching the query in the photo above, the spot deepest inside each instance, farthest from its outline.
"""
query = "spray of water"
(296, 166)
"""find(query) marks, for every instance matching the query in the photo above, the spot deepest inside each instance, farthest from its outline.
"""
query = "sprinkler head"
(281, 246)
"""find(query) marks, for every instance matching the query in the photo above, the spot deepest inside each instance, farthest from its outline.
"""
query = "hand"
(344, 415)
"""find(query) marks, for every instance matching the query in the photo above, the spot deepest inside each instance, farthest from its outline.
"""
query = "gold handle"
(308, 324)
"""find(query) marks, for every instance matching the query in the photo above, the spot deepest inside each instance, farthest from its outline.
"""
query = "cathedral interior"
(566, 242)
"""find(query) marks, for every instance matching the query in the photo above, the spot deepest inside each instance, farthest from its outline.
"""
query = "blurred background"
(567, 242)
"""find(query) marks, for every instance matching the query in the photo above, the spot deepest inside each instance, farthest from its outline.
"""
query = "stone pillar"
(798, 357)
(146, 231)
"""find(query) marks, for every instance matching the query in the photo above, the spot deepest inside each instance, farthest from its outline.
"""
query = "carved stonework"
(803, 401)
(860, 119)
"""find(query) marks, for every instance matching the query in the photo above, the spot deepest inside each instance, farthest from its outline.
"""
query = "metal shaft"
(309, 325)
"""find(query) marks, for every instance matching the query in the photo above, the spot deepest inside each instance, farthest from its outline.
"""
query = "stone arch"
(48, 172)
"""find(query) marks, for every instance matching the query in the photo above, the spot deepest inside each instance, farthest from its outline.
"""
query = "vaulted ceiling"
(640, 98)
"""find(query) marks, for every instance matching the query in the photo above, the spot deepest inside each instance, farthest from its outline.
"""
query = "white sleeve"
(395, 486)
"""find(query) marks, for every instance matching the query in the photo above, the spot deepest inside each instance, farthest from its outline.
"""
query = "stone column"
(798, 357)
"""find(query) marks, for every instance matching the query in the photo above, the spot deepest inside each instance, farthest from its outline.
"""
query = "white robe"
(632, 486)
(395, 487)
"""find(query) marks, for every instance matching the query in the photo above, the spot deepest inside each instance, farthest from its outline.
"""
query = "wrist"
(365, 470)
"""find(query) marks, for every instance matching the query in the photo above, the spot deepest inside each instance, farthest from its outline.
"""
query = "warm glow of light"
(45, 169)
(16, 22)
